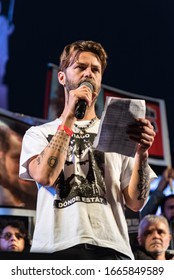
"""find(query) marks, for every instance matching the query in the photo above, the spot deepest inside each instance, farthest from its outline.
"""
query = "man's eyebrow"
(80, 63)
(83, 63)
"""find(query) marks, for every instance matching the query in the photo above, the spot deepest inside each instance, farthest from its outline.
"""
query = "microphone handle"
(80, 109)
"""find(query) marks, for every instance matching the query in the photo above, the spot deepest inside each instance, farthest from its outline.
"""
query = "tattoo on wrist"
(143, 185)
(60, 144)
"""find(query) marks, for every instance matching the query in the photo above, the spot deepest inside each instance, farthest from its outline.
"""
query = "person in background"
(83, 190)
(14, 236)
(165, 202)
(13, 191)
(167, 207)
(158, 198)
(154, 239)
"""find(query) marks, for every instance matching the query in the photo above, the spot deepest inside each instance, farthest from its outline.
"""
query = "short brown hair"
(72, 51)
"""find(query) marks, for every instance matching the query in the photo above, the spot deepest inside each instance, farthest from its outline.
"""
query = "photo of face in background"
(14, 192)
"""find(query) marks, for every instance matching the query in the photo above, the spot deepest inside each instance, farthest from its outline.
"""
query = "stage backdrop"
(159, 153)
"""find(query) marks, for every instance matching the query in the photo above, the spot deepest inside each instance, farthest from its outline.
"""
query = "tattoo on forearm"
(143, 185)
(38, 159)
(52, 162)
(60, 144)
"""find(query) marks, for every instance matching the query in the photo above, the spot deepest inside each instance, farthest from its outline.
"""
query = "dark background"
(137, 35)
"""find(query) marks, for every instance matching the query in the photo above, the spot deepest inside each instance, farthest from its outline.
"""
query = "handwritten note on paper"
(117, 115)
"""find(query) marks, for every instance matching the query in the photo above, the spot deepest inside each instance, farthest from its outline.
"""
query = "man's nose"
(155, 234)
(13, 237)
(88, 72)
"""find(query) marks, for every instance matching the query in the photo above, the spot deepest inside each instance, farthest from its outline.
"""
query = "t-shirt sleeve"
(34, 142)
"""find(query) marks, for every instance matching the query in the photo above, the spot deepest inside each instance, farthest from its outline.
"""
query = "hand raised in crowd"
(168, 176)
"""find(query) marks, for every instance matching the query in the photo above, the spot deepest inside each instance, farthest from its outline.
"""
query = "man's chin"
(155, 251)
(13, 248)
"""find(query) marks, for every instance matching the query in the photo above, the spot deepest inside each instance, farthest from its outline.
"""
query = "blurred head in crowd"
(154, 235)
(167, 207)
(13, 190)
(13, 236)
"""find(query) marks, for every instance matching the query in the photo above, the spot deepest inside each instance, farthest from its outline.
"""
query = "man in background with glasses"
(13, 236)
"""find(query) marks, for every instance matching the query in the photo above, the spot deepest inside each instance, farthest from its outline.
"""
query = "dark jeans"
(78, 252)
(89, 252)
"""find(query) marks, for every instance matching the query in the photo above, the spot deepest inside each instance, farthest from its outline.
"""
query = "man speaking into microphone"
(82, 192)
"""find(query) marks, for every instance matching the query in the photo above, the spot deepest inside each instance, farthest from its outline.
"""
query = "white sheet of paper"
(117, 115)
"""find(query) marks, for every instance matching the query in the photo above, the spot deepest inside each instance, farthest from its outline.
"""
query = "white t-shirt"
(88, 205)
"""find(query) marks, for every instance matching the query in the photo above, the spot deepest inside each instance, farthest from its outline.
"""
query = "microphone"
(81, 105)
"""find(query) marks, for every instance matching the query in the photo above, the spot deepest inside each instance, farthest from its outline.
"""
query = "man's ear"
(61, 78)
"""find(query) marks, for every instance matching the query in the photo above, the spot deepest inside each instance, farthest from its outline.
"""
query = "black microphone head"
(88, 84)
